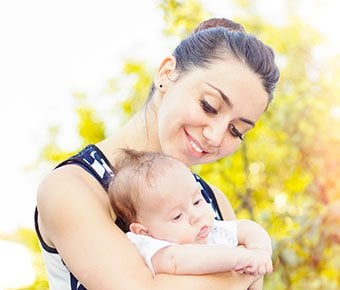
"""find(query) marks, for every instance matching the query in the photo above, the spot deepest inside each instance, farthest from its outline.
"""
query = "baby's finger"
(240, 271)
(251, 270)
(269, 267)
(262, 269)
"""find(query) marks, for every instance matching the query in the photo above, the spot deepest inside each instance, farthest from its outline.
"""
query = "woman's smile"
(197, 146)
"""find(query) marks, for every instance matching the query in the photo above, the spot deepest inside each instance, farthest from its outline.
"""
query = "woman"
(205, 97)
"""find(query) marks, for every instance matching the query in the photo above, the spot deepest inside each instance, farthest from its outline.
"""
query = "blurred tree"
(141, 81)
(90, 129)
(284, 176)
(182, 17)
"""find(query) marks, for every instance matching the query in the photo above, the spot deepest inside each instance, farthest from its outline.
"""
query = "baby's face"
(176, 210)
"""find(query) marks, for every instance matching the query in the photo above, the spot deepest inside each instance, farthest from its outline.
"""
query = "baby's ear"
(139, 229)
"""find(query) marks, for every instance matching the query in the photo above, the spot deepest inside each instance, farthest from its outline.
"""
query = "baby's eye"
(197, 202)
(207, 107)
(177, 217)
(234, 132)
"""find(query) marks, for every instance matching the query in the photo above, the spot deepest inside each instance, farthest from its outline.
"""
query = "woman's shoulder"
(68, 192)
(70, 178)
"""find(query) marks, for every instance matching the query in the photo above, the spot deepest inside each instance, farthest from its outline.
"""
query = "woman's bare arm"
(257, 240)
(224, 204)
(253, 236)
(75, 218)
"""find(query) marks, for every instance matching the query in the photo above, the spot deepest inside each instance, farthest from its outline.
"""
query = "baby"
(172, 225)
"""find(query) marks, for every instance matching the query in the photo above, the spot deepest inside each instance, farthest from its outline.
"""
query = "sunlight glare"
(16, 266)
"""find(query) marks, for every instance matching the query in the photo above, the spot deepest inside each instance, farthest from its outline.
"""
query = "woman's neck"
(139, 133)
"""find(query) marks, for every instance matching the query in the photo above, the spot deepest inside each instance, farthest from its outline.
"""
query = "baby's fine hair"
(132, 169)
(220, 38)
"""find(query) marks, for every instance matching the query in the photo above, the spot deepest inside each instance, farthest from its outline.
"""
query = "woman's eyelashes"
(210, 109)
(207, 107)
(234, 132)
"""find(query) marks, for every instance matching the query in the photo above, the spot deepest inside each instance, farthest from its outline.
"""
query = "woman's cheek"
(229, 147)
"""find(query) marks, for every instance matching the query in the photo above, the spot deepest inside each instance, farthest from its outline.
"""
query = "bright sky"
(49, 49)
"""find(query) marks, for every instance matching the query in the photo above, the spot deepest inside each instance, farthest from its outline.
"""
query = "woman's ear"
(139, 229)
(165, 73)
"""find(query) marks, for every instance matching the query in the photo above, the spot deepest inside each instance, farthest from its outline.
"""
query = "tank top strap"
(93, 160)
(209, 196)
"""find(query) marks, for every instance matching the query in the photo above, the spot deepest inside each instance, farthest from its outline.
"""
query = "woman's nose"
(215, 134)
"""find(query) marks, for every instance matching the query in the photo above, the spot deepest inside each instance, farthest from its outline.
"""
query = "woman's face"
(203, 115)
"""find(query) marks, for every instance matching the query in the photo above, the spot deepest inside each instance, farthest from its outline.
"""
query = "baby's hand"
(254, 262)
(263, 261)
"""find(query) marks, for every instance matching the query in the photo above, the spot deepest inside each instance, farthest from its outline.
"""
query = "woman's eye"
(207, 107)
(234, 132)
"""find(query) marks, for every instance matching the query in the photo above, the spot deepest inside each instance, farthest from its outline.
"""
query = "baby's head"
(157, 195)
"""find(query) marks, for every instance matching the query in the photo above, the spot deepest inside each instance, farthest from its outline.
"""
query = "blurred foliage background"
(285, 174)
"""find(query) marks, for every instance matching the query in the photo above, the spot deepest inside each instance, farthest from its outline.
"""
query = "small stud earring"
(161, 86)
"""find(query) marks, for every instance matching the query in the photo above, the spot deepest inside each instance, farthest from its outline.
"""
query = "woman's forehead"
(231, 78)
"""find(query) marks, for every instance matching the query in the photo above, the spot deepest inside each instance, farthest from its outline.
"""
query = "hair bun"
(220, 22)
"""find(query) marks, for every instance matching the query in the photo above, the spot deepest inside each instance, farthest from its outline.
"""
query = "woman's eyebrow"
(230, 104)
(223, 95)
(249, 122)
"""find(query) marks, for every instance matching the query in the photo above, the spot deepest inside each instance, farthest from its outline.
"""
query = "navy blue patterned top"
(94, 161)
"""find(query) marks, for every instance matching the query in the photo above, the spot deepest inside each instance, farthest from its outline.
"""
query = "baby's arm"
(199, 259)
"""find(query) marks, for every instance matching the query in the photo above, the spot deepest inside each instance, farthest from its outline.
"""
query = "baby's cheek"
(211, 212)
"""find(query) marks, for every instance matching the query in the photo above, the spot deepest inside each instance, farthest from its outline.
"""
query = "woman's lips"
(194, 147)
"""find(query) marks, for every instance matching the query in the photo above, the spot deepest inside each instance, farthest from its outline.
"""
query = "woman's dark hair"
(217, 38)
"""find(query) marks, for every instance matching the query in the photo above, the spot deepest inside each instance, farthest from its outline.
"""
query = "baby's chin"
(201, 241)
(192, 241)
